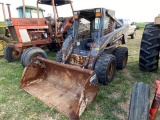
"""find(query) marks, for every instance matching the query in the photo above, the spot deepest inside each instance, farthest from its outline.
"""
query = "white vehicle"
(131, 27)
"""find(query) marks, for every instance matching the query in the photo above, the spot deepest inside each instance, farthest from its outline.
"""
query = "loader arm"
(111, 38)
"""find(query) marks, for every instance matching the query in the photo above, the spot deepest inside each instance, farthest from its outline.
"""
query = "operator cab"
(30, 11)
(88, 25)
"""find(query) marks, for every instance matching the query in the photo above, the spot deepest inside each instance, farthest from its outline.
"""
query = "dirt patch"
(97, 110)
(119, 115)
(45, 116)
(125, 107)
(127, 73)
(114, 95)
(2, 111)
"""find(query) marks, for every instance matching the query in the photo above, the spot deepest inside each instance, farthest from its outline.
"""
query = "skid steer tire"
(139, 103)
(10, 54)
(59, 56)
(30, 54)
(121, 54)
(149, 49)
(105, 68)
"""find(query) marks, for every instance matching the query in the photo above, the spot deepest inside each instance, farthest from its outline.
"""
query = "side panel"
(29, 31)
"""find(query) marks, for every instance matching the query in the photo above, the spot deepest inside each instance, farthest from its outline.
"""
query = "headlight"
(9, 22)
(93, 79)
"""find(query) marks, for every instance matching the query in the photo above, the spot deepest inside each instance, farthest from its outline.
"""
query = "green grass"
(141, 25)
(111, 103)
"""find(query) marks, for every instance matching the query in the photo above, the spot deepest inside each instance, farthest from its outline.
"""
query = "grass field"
(141, 25)
(111, 103)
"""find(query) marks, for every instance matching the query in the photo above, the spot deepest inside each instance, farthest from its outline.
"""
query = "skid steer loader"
(90, 55)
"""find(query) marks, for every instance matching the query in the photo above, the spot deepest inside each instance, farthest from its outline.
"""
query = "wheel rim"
(110, 70)
(34, 56)
(3, 44)
(15, 54)
(125, 59)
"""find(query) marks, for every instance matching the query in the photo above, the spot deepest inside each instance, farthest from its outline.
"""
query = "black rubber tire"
(53, 47)
(149, 49)
(139, 103)
(30, 53)
(133, 35)
(8, 54)
(102, 68)
(25, 52)
(59, 56)
(121, 54)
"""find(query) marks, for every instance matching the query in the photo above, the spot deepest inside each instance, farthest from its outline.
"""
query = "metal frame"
(55, 11)
(4, 13)
(155, 102)
(112, 39)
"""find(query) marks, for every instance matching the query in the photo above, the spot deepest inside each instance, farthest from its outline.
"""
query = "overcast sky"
(136, 10)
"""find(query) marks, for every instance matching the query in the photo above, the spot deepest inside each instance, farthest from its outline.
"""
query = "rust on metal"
(64, 87)
(79, 60)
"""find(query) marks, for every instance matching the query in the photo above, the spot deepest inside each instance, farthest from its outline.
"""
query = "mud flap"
(67, 88)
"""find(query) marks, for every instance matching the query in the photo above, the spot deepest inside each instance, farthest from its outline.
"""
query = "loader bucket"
(69, 89)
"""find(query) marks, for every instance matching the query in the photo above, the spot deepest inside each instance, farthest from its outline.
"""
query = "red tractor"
(29, 35)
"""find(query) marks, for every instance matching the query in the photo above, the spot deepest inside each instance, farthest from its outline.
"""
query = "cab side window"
(106, 22)
(107, 27)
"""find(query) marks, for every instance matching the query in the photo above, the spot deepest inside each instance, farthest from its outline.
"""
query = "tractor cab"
(61, 22)
(93, 32)
(30, 12)
(61, 18)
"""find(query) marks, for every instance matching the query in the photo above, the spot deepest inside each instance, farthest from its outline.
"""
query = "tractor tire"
(10, 54)
(3, 44)
(30, 53)
(133, 35)
(121, 54)
(105, 68)
(24, 54)
(139, 103)
(53, 47)
(59, 56)
(149, 49)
